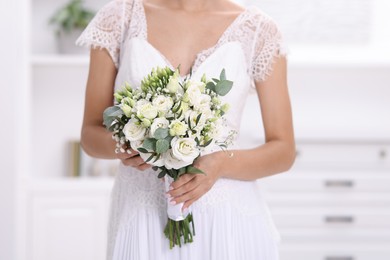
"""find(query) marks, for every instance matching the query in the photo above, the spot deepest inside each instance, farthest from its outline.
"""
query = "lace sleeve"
(106, 29)
(267, 46)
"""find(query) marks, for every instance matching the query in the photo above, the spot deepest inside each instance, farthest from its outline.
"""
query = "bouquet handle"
(174, 211)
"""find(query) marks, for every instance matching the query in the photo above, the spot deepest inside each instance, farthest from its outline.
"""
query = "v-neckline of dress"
(196, 62)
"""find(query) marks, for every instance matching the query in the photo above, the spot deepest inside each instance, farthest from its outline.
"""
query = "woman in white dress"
(130, 37)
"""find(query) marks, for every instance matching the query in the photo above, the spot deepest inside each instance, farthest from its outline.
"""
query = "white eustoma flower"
(162, 103)
(177, 128)
(160, 122)
(134, 131)
(146, 110)
(203, 101)
(184, 149)
(193, 93)
(192, 116)
(171, 162)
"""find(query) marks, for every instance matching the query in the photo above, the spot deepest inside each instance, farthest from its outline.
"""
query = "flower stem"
(180, 232)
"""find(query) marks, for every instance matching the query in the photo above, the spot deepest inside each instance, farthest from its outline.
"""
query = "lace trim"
(258, 34)
(106, 29)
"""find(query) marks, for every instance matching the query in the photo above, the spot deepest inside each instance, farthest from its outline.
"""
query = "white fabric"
(231, 220)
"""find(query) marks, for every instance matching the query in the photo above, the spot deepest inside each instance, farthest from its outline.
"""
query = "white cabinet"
(335, 202)
(67, 219)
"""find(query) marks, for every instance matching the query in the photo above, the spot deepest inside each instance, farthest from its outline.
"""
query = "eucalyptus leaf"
(223, 87)
(162, 146)
(149, 144)
(210, 85)
(222, 76)
(161, 133)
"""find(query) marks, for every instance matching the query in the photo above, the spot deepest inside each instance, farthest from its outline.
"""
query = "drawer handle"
(339, 258)
(339, 183)
(339, 219)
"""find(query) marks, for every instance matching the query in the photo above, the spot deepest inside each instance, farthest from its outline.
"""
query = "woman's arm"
(278, 153)
(95, 139)
(275, 156)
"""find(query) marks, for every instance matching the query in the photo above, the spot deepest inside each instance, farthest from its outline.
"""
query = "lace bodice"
(120, 20)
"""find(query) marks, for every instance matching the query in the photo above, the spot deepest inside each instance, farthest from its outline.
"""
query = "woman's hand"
(133, 159)
(190, 187)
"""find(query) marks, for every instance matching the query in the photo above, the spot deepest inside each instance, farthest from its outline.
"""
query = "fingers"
(182, 180)
(185, 188)
(144, 166)
(126, 155)
(134, 161)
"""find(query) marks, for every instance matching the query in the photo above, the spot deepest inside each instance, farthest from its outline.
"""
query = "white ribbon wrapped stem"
(174, 211)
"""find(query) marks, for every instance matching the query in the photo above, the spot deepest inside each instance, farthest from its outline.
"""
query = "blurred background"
(334, 204)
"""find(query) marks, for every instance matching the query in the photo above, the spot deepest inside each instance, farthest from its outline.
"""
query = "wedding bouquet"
(170, 122)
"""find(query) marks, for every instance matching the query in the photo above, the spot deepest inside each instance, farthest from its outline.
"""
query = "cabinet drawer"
(332, 182)
(336, 199)
(332, 218)
(335, 235)
(338, 154)
(338, 252)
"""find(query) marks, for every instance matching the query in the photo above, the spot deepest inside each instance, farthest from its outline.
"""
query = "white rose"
(178, 128)
(203, 101)
(184, 149)
(134, 131)
(170, 161)
(158, 163)
(136, 144)
(162, 103)
(192, 116)
(146, 110)
(193, 94)
(160, 122)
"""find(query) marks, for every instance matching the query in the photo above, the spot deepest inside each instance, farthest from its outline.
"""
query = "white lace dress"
(231, 220)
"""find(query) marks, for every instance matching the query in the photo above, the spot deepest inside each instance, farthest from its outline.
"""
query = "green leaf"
(182, 171)
(210, 85)
(142, 150)
(223, 87)
(207, 143)
(192, 169)
(197, 140)
(110, 114)
(150, 158)
(161, 133)
(162, 173)
(198, 118)
(162, 146)
(215, 80)
(222, 76)
(149, 144)
(157, 157)
(155, 168)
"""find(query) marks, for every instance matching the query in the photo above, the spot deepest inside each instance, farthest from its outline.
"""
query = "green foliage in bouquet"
(72, 16)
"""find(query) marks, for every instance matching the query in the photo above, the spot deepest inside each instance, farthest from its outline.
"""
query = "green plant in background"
(72, 16)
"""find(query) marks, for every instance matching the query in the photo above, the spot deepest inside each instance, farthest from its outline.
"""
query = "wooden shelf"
(59, 60)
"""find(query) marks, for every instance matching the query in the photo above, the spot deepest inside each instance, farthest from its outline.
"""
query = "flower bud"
(126, 110)
(225, 107)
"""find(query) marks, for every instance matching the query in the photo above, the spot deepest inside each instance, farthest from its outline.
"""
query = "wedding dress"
(231, 220)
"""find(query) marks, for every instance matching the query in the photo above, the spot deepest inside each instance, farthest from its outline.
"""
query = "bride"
(130, 37)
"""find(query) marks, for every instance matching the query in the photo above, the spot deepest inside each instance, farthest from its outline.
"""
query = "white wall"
(14, 75)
